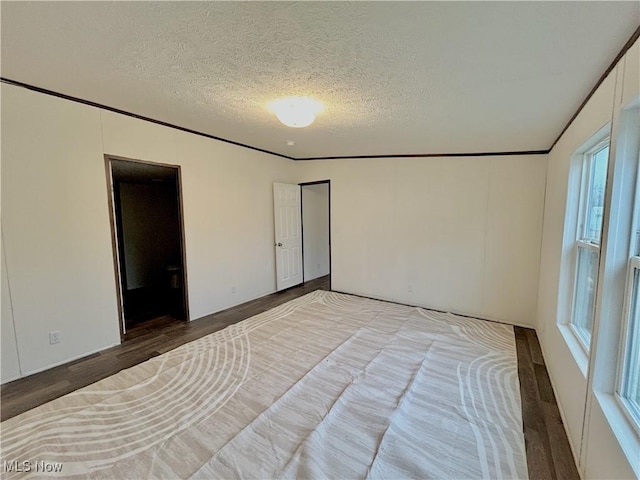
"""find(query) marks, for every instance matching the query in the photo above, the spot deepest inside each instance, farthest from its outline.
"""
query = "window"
(595, 195)
(628, 388)
(587, 245)
(629, 384)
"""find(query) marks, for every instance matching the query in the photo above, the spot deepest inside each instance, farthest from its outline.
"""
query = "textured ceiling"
(395, 77)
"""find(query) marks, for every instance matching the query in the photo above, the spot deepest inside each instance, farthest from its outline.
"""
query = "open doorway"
(315, 198)
(148, 239)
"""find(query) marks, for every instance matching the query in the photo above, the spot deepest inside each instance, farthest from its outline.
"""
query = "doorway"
(302, 225)
(148, 242)
(315, 198)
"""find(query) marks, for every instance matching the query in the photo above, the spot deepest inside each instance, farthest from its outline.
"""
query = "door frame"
(306, 184)
(116, 236)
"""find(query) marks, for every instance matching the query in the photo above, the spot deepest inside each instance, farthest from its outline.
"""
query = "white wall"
(315, 224)
(463, 233)
(458, 234)
(565, 372)
(56, 226)
(604, 457)
(10, 368)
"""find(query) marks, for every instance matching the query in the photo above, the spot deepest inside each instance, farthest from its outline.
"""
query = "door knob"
(278, 244)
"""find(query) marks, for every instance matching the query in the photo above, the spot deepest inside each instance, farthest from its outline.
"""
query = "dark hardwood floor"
(548, 452)
(142, 342)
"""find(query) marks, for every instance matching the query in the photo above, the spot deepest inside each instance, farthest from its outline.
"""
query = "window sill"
(622, 429)
(576, 347)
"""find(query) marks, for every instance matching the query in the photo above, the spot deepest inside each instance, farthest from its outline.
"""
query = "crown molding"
(45, 91)
(609, 69)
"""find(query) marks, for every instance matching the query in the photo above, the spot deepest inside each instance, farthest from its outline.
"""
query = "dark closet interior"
(150, 241)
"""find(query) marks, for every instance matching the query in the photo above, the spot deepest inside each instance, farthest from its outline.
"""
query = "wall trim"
(45, 91)
(431, 155)
(613, 64)
(606, 73)
(71, 98)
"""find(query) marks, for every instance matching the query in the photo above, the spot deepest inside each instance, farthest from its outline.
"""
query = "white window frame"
(630, 410)
(581, 334)
(587, 173)
(587, 166)
(622, 205)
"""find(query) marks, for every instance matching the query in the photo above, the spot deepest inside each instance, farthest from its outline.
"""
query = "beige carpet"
(325, 386)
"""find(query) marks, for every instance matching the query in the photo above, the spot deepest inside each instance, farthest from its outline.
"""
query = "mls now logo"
(41, 466)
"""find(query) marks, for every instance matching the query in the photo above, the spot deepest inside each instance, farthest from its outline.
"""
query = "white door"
(286, 207)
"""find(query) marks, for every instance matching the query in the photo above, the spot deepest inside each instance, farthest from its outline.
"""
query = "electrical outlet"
(54, 337)
(410, 288)
(233, 290)
(318, 267)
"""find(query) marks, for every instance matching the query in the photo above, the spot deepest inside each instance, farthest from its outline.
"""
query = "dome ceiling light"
(297, 112)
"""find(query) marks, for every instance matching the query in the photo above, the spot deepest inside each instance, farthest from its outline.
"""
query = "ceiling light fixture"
(296, 112)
